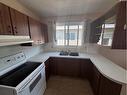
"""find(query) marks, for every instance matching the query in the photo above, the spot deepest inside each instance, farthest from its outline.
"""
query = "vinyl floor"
(59, 85)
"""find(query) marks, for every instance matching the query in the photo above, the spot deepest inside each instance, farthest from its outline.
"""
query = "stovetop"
(14, 69)
(17, 75)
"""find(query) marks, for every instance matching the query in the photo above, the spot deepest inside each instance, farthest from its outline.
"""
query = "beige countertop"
(104, 65)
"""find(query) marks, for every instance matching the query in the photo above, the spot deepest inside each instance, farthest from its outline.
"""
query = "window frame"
(67, 31)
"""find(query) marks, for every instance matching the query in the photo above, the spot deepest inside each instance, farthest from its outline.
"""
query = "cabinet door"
(95, 80)
(47, 69)
(108, 87)
(96, 30)
(41, 34)
(45, 32)
(5, 22)
(53, 66)
(119, 39)
(35, 30)
(85, 68)
(19, 23)
(68, 67)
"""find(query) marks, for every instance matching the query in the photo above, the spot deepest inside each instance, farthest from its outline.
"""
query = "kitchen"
(63, 47)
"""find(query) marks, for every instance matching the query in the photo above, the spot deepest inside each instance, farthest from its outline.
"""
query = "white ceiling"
(48, 8)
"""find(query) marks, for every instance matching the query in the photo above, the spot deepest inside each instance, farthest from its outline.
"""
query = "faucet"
(69, 51)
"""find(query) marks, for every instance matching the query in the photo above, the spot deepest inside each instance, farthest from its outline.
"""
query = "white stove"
(18, 77)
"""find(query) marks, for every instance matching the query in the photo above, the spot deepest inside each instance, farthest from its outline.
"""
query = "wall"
(51, 20)
(51, 31)
(18, 6)
(86, 48)
(115, 55)
(28, 51)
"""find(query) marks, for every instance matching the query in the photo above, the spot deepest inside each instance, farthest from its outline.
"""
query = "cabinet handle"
(15, 29)
(16, 32)
(9, 29)
(125, 27)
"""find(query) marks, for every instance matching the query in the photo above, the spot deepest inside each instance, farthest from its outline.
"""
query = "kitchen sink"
(65, 53)
(74, 54)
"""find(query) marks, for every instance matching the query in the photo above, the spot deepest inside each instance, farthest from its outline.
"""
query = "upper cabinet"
(19, 23)
(13, 22)
(45, 32)
(5, 21)
(110, 29)
(119, 39)
(36, 31)
(95, 30)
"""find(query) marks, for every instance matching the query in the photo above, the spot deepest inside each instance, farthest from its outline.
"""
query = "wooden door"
(41, 34)
(95, 80)
(86, 68)
(45, 33)
(119, 39)
(53, 66)
(47, 69)
(20, 23)
(5, 21)
(67, 67)
(96, 30)
(35, 30)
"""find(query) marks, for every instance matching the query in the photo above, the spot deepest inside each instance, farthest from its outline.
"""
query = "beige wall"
(115, 55)
(18, 6)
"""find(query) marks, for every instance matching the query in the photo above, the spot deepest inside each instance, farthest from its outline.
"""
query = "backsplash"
(86, 48)
(29, 51)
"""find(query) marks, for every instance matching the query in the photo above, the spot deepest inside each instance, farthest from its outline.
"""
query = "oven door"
(35, 86)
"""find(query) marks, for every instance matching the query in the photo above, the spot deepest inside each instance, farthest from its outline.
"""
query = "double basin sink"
(65, 53)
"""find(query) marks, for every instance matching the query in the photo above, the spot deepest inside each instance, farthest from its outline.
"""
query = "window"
(69, 34)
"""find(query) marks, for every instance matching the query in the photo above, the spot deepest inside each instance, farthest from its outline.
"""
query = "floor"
(58, 85)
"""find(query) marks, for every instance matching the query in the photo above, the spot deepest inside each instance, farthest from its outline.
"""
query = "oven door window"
(31, 87)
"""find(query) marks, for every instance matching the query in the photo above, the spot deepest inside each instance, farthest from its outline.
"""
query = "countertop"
(104, 65)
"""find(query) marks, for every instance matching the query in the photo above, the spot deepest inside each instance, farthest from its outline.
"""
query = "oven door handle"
(29, 83)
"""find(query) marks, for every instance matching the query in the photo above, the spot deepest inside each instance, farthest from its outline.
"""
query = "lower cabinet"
(108, 87)
(68, 67)
(47, 69)
(82, 68)
(95, 79)
(102, 85)
(65, 67)
(85, 68)
(53, 66)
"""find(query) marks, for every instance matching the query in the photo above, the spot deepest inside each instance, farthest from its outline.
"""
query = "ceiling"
(49, 8)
